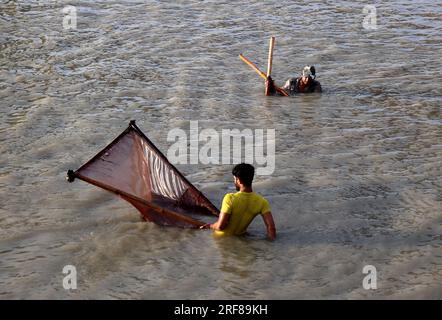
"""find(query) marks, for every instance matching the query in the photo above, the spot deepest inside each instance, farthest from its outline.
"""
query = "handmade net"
(132, 167)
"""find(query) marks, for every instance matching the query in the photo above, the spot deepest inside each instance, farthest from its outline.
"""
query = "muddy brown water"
(357, 177)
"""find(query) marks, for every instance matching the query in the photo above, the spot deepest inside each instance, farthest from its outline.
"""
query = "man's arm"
(220, 224)
(270, 87)
(270, 225)
(318, 87)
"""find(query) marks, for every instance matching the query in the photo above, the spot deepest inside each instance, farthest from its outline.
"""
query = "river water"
(357, 177)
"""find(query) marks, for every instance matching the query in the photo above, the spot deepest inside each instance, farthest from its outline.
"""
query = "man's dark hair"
(245, 173)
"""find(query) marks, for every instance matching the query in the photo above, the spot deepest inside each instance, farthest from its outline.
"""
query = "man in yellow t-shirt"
(240, 208)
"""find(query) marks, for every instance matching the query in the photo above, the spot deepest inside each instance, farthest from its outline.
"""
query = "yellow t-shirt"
(243, 207)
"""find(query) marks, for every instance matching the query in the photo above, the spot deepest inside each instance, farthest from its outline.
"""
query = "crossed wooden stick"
(269, 68)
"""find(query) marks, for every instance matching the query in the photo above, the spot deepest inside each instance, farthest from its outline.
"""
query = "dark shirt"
(294, 85)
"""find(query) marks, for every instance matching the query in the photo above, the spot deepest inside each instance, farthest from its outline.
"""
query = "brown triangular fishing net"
(132, 167)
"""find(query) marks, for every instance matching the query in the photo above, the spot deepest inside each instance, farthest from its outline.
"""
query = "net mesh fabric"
(134, 168)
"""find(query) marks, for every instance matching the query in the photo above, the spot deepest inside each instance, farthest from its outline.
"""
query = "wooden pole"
(250, 63)
(270, 59)
(262, 74)
(269, 66)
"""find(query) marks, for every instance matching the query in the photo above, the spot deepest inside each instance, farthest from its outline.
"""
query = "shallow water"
(358, 169)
